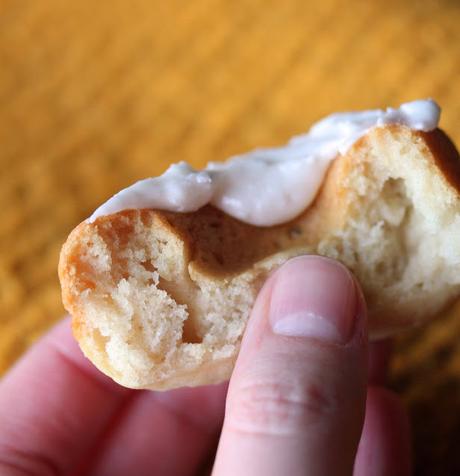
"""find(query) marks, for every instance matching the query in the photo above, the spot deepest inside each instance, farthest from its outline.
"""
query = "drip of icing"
(267, 187)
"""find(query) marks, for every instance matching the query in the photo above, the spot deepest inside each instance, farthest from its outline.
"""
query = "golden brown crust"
(445, 154)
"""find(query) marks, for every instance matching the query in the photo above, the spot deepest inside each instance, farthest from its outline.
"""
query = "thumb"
(297, 395)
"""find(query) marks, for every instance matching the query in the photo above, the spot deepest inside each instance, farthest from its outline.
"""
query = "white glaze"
(180, 189)
(267, 187)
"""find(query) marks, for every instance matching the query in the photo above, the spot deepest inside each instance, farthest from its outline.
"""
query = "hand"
(295, 404)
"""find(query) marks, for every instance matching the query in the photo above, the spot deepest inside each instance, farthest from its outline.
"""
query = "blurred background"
(96, 95)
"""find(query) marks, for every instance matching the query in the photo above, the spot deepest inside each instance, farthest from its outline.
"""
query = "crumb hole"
(190, 334)
(148, 266)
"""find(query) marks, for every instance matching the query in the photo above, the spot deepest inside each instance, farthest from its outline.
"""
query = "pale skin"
(304, 399)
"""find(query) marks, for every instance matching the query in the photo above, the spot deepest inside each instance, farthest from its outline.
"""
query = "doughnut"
(160, 297)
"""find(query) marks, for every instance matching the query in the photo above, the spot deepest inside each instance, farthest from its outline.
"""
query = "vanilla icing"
(267, 187)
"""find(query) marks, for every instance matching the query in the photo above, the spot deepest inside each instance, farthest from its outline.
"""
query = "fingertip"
(310, 296)
(314, 297)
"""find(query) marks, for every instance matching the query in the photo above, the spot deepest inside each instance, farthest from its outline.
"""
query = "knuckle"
(280, 408)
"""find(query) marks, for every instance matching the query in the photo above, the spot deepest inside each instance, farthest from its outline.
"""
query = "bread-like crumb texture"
(160, 300)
